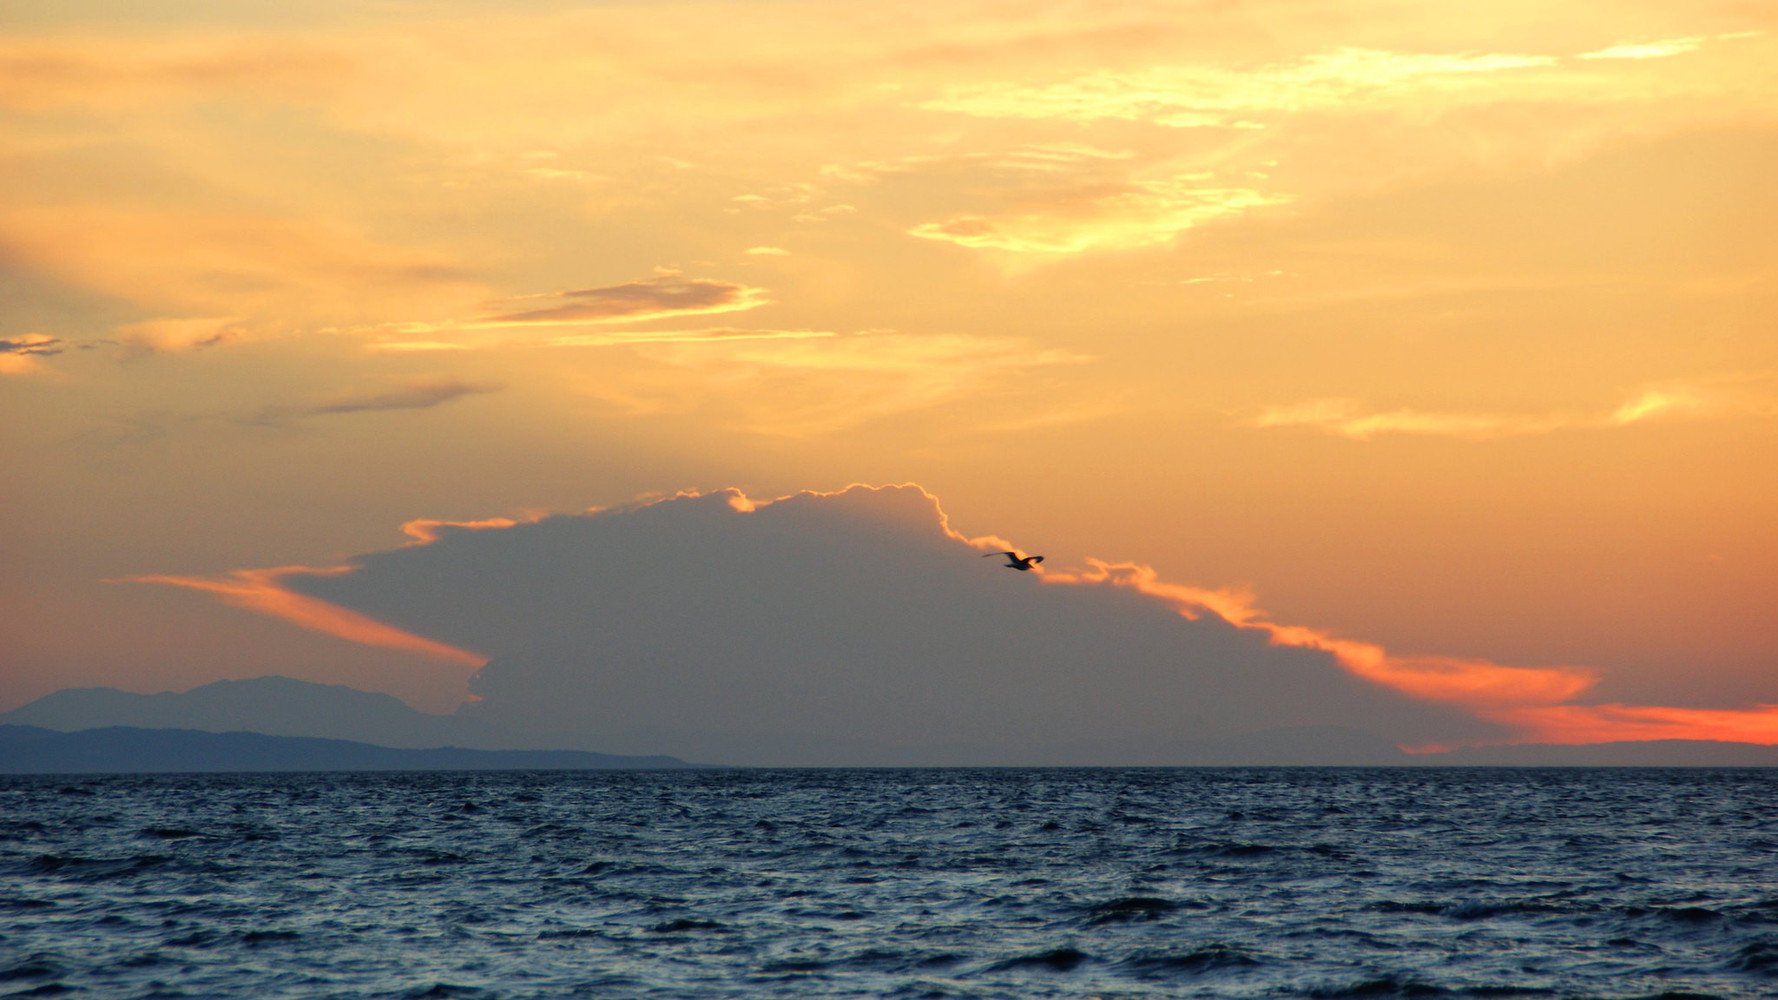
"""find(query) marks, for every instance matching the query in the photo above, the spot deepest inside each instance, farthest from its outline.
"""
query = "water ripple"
(1218, 883)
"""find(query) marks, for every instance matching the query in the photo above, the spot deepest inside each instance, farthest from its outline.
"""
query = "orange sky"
(1441, 332)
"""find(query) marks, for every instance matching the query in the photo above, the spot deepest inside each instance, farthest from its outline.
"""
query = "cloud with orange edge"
(853, 626)
(676, 614)
(1532, 701)
(1471, 684)
(1576, 724)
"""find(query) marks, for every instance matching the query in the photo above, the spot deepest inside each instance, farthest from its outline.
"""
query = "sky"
(1431, 338)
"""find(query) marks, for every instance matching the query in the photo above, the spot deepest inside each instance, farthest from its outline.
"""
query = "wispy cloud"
(419, 394)
(1648, 50)
(1725, 396)
(18, 355)
(805, 386)
(1666, 47)
(713, 335)
(1106, 217)
(1030, 158)
(660, 297)
(199, 261)
(177, 334)
(426, 530)
(263, 591)
(37, 344)
(415, 346)
(95, 72)
(1061, 197)
(1203, 96)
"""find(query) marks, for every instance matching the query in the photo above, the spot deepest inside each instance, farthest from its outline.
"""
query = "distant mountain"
(279, 706)
(122, 749)
(330, 713)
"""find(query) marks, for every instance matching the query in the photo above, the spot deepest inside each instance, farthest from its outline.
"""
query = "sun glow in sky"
(1445, 330)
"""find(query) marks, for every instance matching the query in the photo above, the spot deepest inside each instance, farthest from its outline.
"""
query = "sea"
(1193, 882)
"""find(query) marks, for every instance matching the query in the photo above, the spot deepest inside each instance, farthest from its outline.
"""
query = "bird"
(1015, 561)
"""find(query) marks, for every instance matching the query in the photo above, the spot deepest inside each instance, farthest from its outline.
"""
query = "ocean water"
(894, 883)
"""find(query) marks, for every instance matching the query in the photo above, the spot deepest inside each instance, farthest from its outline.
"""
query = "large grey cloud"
(847, 628)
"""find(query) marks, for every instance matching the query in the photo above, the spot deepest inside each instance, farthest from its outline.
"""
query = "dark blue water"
(957, 883)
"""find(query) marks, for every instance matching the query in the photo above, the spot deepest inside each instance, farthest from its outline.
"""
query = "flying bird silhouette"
(1014, 560)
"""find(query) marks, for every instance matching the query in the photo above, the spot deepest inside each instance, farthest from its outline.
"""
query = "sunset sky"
(1439, 337)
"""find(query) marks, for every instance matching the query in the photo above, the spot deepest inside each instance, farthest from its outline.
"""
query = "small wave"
(95, 869)
(1211, 958)
(254, 939)
(1683, 915)
(1408, 906)
(1130, 909)
(443, 990)
(145, 960)
(1237, 849)
(790, 965)
(1057, 959)
(1479, 910)
(432, 856)
(879, 959)
(194, 939)
(1382, 986)
(39, 966)
(687, 924)
(168, 833)
(1471, 909)
(46, 990)
(1759, 958)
